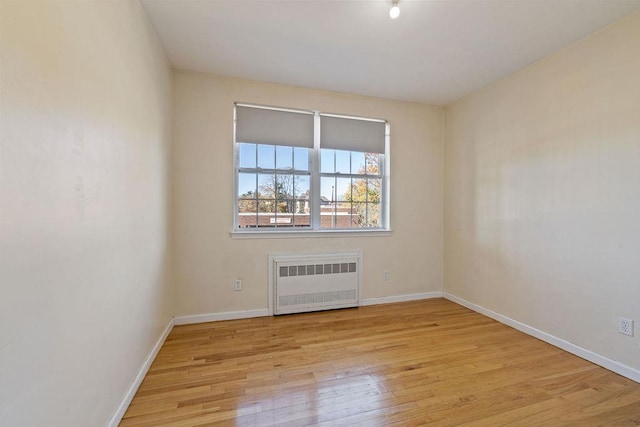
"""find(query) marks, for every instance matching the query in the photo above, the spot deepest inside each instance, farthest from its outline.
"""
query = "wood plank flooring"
(415, 363)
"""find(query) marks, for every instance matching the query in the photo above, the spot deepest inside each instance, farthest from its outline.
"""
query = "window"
(309, 171)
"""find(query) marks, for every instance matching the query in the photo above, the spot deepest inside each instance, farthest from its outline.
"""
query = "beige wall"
(86, 127)
(542, 211)
(208, 259)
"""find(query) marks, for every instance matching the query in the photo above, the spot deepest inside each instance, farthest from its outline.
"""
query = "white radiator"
(314, 282)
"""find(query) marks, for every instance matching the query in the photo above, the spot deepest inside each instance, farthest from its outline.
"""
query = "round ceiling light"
(394, 12)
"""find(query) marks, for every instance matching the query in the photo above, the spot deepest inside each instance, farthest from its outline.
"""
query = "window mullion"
(385, 190)
(275, 188)
(236, 169)
(314, 169)
(257, 199)
(257, 190)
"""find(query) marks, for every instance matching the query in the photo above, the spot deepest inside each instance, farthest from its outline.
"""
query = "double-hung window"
(303, 170)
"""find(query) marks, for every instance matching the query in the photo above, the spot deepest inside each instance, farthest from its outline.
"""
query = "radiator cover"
(310, 282)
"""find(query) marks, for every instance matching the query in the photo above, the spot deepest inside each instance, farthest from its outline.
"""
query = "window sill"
(303, 234)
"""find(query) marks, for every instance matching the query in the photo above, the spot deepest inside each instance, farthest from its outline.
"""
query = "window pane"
(266, 156)
(327, 190)
(302, 205)
(247, 153)
(373, 189)
(327, 159)
(373, 161)
(359, 214)
(285, 187)
(354, 218)
(247, 205)
(301, 159)
(327, 216)
(282, 220)
(343, 161)
(285, 206)
(247, 185)
(284, 157)
(373, 214)
(302, 220)
(343, 189)
(247, 213)
(357, 162)
(266, 186)
(266, 206)
(327, 205)
(359, 190)
(343, 215)
(302, 186)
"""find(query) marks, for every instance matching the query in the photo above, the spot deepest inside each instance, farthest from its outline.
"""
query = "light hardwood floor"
(424, 362)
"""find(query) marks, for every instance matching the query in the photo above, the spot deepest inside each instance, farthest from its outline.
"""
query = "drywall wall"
(542, 183)
(208, 258)
(86, 128)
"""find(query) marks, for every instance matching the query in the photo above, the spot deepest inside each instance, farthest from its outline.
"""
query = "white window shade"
(341, 133)
(274, 127)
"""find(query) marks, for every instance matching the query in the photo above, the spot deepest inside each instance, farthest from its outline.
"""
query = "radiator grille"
(312, 269)
(317, 297)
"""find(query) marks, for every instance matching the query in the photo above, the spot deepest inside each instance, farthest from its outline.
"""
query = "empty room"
(302, 213)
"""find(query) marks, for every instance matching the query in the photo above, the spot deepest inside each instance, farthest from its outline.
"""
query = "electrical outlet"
(237, 285)
(625, 326)
(385, 275)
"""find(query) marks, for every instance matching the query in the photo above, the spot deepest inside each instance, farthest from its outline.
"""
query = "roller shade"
(352, 134)
(274, 127)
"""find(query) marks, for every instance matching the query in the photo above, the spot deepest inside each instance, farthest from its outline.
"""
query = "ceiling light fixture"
(394, 12)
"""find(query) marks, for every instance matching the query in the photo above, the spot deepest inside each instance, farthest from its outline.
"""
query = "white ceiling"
(436, 52)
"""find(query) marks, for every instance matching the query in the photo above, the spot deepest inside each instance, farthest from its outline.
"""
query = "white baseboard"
(214, 317)
(133, 388)
(401, 298)
(598, 359)
(262, 312)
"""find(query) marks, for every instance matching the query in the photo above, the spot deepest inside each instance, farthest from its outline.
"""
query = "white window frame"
(315, 183)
